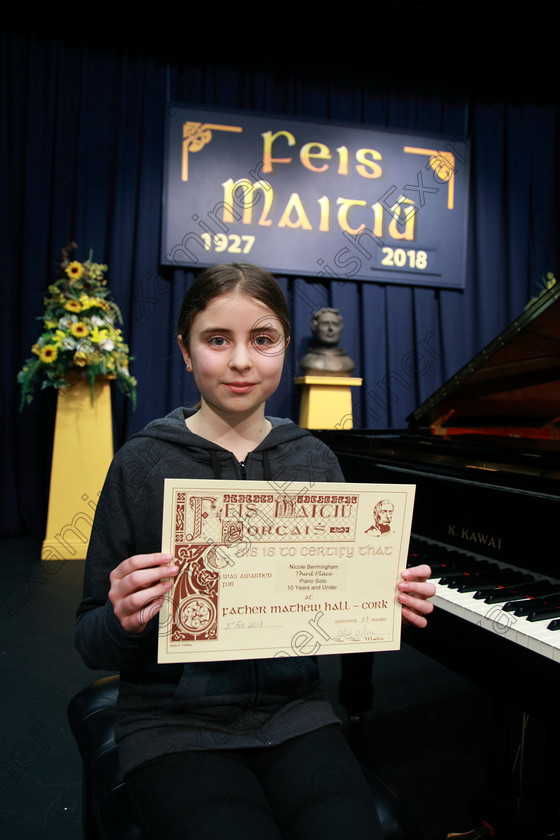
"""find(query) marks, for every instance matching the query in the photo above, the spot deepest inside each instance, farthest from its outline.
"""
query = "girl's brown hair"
(223, 278)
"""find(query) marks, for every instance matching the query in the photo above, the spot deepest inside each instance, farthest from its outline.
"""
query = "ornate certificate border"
(267, 571)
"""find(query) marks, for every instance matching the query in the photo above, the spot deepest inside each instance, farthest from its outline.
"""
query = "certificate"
(271, 569)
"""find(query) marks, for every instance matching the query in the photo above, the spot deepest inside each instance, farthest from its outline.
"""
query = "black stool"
(107, 811)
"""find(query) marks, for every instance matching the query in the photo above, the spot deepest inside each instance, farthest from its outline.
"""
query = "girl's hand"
(138, 588)
(413, 595)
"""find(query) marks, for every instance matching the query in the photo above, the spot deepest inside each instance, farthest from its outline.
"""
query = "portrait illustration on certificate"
(267, 569)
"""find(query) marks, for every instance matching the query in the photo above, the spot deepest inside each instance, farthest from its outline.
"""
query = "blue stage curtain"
(81, 152)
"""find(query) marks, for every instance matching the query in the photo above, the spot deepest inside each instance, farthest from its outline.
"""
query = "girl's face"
(236, 352)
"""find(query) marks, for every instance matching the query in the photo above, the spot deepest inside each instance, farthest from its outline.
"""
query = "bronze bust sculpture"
(325, 357)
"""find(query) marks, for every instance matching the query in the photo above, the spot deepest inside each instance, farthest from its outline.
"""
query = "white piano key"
(531, 635)
(545, 641)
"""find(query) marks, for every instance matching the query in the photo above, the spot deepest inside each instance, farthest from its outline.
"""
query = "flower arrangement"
(80, 338)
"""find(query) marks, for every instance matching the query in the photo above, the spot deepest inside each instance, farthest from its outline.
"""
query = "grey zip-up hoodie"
(169, 708)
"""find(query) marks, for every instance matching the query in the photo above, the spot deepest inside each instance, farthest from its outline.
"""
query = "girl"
(222, 748)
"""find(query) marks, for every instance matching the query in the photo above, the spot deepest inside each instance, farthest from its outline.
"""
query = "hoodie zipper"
(266, 467)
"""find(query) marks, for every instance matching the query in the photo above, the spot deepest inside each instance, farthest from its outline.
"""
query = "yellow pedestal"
(326, 401)
(82, 452)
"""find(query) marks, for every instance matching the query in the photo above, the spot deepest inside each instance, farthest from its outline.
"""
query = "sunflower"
(79, 330)
(48, 353)
(75, 270)
(73, 306)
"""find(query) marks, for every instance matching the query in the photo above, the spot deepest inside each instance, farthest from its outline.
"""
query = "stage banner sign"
(314, 199)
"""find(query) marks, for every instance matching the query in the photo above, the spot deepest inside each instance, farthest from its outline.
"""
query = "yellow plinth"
(326, 401)
(82, 452)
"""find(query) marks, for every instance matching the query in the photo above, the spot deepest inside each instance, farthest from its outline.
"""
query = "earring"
(188, 367)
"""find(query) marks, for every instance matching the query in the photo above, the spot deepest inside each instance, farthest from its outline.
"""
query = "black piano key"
(423, 552)
(442, 565)
(454, 578)
(482, 591)
(453, 563)
(439, 569)
(543, 614)
(502, 594)
(554, 625)
(452, 581)
(543, 603)
(511, 593)
(507, 576)
(524, 605)
(478, 584)
(521, 608)
(415, 558)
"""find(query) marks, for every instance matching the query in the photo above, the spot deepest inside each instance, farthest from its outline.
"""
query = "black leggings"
(310, 786)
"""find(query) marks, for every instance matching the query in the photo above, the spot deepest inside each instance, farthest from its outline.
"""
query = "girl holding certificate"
(219, 749)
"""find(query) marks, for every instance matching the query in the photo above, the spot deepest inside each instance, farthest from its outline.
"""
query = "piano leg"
(521, 799)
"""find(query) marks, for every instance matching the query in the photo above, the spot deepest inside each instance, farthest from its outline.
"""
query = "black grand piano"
(484, 453)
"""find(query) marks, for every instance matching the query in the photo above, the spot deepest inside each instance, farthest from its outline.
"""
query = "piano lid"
(512, 387)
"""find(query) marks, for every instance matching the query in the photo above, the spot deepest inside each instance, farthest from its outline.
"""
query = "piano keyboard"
(472, 587)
